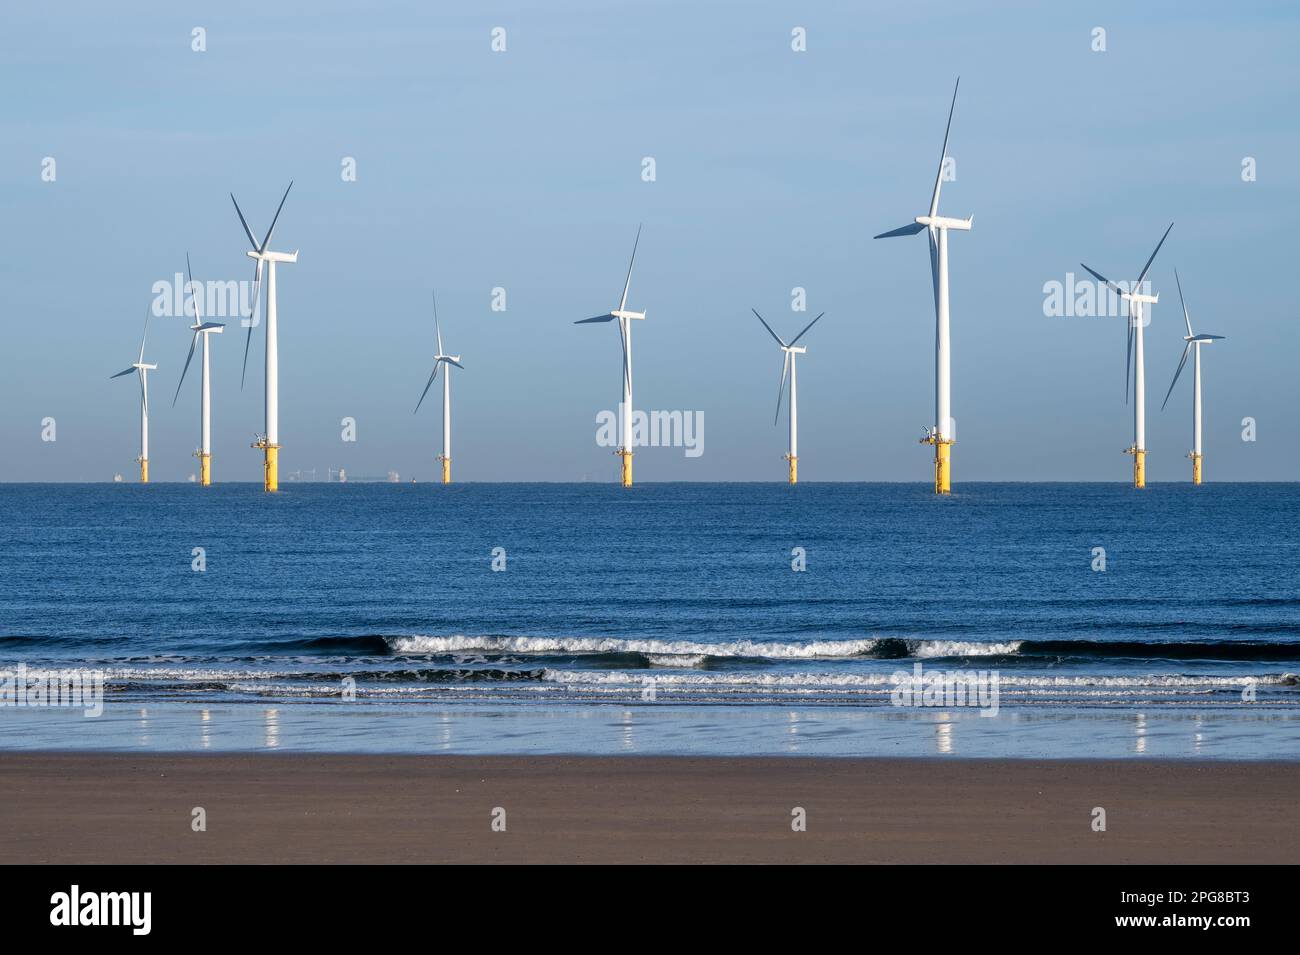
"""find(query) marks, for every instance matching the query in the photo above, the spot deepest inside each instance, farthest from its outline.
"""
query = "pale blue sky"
(522, 170)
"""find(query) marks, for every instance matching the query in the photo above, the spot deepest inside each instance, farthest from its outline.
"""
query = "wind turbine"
(142, 369)
(791, 350)
(270, 441)
(438, 359)
(202, 330)
(1193, 342)
(1135, 358)
(941, 435)
(625, 319)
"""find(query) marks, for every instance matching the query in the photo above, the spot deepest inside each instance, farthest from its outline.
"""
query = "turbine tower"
(142, 369)
(438, 359)
(791, 350)
(269, 442)
(1194, 343)
(941, 435)
(1135, 358)
(201, 329)
(625, 319)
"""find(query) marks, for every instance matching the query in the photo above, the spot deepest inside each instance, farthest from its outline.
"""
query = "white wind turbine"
(201, 329)
(625, 319)
(791, 350)
(1135, 358)
(438, 359)
(142, 369)
(941, 435)
(270, 441)
(1193, 341)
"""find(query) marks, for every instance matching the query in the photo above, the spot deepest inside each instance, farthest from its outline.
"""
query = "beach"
(90, 808)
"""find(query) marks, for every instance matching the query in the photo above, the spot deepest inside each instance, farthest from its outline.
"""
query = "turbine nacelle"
(269, 256)
(622, 313)
(945, 222)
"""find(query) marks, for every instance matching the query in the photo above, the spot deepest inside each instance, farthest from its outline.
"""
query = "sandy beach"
(287, 808)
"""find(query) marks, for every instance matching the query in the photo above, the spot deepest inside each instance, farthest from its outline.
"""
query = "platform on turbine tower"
(942, 462)
(1139, 466)
(271, 464)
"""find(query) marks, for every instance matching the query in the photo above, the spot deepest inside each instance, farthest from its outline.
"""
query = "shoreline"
(87, 808)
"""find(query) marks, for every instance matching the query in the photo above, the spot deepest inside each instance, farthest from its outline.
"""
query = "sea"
(1010, 620)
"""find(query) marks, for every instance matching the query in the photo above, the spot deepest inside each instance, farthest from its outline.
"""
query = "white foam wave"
(664, 649)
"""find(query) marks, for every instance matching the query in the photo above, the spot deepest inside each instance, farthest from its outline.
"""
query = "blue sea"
(665, 618)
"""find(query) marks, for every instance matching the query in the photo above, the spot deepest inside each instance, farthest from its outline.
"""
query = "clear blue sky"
(774, 169)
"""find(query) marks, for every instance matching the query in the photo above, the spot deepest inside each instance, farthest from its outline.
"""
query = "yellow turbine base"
(271, 468)
(446, 470)
(205, 469)
(942, 464)
(627, 467)
(1196, 468)
(144, 470)
(794, 468)
(1139, 468)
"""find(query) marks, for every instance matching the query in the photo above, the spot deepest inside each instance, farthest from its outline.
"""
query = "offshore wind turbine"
(142, 370)
(625, 319)
(1194, 343)
(269, 441)
(941, 434)
(201, 329)
(1135, 358)
(439, 359)
(791, 350)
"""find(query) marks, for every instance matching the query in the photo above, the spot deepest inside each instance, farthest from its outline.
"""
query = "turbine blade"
(267, 240)
(806, 327)
(126, 371)
(627, 365)
(193, 341)
(1105, 281)
(248, 340)
(780, 388)
(768, 327)
(912, 229)
(244, 222)
(144, 390)
(436, 327)
(1186, 318)
(145, 335)
(433, 374)
(1128, 357)
(938, 179)
(628, 282)
(1138, 284)
(607, 317)
(452, 361)
(252, 322)
(194, 299)
(1183, 362)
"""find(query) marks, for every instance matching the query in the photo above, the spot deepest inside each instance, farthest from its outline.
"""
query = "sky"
(523, 170)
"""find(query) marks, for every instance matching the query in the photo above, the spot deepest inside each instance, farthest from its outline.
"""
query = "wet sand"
(289, 808)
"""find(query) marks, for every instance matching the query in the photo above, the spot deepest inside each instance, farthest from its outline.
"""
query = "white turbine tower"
(941, 435)
(791, 350)
(1194, 343)
(269, 442)
(625, 319)
(142, 369)
(1135, 358)
(201, 329)
(438, 359)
